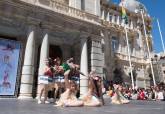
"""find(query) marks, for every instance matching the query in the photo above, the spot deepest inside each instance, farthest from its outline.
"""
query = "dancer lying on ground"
(94, 91)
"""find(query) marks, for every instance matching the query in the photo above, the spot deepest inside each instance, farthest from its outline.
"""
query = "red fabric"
(141, 96)
(48, 73)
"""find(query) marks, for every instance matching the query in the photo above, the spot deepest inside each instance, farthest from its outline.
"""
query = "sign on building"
(9, 57)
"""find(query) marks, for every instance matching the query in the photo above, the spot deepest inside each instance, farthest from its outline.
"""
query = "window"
(114, 44)
(130, 46)
(82, 4)
(110, 17)
(163, 64)
(164, 71)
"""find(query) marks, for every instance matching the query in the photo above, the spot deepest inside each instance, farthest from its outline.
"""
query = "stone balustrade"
(116, 20)
(65, 9)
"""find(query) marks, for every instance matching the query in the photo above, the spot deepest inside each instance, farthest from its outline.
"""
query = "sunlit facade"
(91, 31)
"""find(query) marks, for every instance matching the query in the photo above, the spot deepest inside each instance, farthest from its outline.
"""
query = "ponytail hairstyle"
(95, 85)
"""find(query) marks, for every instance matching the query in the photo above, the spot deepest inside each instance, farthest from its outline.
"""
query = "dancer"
(44, 82)
(94, 91)
(118, 98)
(71, 71)
(58, 77)
(68, 98)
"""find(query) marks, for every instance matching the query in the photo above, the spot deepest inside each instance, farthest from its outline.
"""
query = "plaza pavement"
(16, 106)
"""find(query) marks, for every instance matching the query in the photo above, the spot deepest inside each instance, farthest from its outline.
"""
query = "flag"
(124, 15)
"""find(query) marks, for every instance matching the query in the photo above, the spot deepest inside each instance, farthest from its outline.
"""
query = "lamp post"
(154, 61)
(147, 44)
(157, 67)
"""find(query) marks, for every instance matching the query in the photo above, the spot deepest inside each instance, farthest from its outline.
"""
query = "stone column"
(107, 55)
(84, 67)
(131, 25)
(118, 20)
(122, 22)
(44, 54)
(103, 15)
(107, 18)
(113, 18)
(28, 67)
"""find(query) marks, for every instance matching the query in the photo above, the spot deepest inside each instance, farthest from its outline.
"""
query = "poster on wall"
(9, 58)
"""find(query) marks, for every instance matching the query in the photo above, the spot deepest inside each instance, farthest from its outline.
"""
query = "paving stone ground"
(16, 106)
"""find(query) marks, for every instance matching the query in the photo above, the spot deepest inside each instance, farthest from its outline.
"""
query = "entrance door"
(55, 51)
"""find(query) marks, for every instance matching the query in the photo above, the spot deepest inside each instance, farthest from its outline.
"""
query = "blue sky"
(156, 8)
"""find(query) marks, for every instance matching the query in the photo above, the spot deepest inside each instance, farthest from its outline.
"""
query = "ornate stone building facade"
(158, 61)
(91, 31)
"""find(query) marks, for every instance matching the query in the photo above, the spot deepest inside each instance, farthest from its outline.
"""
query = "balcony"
(65, 9)
(118, 24)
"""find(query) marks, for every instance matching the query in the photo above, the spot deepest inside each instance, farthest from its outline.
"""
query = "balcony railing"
(65, 9)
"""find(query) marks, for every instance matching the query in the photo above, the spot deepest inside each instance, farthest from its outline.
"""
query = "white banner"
(9, 57)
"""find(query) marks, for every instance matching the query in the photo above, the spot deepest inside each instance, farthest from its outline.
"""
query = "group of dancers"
(66, 75)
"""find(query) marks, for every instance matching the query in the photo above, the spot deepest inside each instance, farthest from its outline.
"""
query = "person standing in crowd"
(159, 94)
(44, 82)
(134, 95)
(152, 93)
(141, 95)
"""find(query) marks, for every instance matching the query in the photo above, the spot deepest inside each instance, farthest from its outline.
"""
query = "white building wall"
(75, 3)
(92, 6)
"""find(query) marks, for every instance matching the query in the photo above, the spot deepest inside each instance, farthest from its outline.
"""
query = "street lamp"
(146, 38)
(154, 61)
